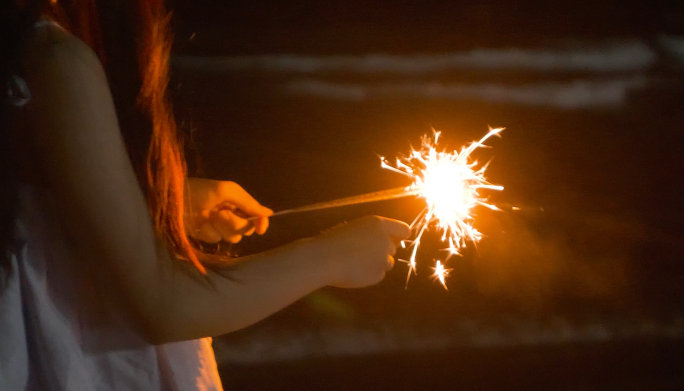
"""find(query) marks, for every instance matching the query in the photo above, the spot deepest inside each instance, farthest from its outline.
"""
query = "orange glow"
(450, 184)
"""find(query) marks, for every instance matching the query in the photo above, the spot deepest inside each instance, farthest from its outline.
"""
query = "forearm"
(256, 287)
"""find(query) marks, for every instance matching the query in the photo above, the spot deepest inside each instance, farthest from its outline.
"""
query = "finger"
(223, 225)
(226, 229)
(254, 224)
(262, 225)
(233, 239)
(207, 233)
(390, 263)
(397, 242)
(395, 228)
(229, 224)
(392, 247)
(237, 196)
(250, 231)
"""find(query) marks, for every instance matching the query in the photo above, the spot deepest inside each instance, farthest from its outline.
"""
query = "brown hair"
(166, 168)
(134, 43)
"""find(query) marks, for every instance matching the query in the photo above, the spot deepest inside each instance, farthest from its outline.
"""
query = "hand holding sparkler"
(356, 254)
(359, 253)
(222, 210)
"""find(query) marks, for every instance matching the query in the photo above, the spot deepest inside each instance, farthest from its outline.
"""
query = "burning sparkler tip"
(450, 184)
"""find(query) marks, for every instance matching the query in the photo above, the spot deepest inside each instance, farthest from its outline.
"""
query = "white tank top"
(48, 342)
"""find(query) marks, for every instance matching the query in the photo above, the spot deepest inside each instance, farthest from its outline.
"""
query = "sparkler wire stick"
(382, 195)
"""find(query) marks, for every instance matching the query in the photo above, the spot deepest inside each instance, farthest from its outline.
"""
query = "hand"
(360, 252)
(219, 210)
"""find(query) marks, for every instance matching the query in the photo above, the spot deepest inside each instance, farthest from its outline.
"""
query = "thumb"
(395, 228)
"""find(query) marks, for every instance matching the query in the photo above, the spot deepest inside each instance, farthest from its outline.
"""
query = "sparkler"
(449, 183)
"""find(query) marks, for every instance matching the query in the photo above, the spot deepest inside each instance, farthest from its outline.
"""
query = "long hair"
(133, 43)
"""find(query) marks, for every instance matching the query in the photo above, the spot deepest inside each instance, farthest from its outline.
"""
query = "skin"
(219, 210)
(80, 153)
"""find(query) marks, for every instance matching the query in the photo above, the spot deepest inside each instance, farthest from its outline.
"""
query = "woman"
(103, 284)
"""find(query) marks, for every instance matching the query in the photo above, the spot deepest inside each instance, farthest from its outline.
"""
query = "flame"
(450, 184)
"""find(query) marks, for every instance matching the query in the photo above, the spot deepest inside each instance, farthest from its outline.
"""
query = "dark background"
(584, 295)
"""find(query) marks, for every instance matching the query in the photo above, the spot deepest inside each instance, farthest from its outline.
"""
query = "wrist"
(321, 257)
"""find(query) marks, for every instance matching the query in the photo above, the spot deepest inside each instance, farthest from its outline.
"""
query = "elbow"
(159, 334)
(155, 335)
(159, 331)
(153, 330)
(156, 325)
(168, 323)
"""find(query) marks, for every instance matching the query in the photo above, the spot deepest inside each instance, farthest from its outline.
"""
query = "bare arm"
(84, 160)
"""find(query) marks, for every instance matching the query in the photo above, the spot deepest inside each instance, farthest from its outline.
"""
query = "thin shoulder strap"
(46, 22)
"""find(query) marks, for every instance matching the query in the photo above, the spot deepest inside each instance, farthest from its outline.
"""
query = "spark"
(441, 273)
(449, 183)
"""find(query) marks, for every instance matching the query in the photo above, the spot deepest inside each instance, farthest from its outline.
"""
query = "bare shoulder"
(70, 95)
(52, 50)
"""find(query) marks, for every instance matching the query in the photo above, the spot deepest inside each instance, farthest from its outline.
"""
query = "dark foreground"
(634, 365)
